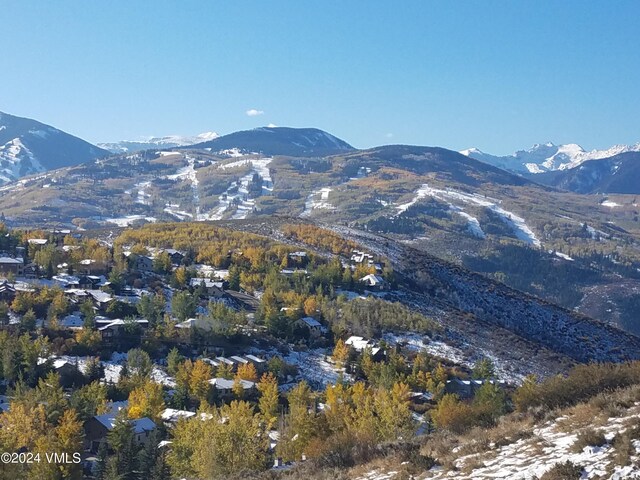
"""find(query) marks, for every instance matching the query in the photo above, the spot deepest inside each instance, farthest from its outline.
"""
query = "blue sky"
(499, 75)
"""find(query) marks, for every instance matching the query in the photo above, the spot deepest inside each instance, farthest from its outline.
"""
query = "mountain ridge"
(28, 146)
(287, 141)
(163, 142)
(548, 157)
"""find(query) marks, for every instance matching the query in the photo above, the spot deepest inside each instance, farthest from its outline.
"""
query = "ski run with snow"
(515, 222)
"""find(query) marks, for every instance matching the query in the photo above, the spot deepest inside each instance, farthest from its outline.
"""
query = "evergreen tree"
(173, 361)
(100, 469)
(484, 369)
(234, 278)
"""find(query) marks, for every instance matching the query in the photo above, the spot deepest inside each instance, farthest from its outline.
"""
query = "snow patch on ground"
(610, 204)
(531, 458)
(563, 256)
(315, 369)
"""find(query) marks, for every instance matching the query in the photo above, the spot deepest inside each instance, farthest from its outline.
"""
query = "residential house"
(360, 344)
(360, 257)
(212, 288)
(71, 322)
(224, 387)
(259, 363)
(315, 327)
(98, 427)
(141, 263)
(195, 323)
(100, 299)
(7, 292)
(89, 282)
(88, 266)
(238, 360)
(467, 388)
(374, 281)
(11, 265)
(116, 328)
(176, 255)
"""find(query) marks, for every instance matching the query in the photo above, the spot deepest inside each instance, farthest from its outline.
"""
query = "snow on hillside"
(16, 160)
(515, 222)
(238, 194)
(318, 199)
(129, 219)
(530, 457)
(548, 157)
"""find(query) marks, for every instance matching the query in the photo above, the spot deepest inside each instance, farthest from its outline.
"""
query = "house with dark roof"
(7, 292)
(98, 427)
(11, 265)
(315, 327)
(212, 288)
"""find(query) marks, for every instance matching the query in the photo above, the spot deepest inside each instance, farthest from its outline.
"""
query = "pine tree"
(234, 278)
(484, 369)
(122, 440)
(148, 456)
(160, 470)
(173, 360)
(100, 468)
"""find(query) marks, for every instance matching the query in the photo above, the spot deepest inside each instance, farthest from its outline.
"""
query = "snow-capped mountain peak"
(547, 157)
(165, 142)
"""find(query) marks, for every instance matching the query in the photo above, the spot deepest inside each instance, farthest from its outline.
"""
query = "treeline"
(372, 316)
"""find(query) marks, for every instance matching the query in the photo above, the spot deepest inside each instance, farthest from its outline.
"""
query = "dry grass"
(581, 416)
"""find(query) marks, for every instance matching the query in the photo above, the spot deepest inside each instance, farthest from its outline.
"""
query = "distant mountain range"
(548, 157)
(161, 143)
(28, 146)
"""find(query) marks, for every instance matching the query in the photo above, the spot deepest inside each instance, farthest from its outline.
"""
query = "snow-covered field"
(318, 199)
(129, 219)
(515, 222)
(610, 204)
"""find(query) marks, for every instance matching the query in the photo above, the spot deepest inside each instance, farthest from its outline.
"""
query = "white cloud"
(252, 112)
(272, 125)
